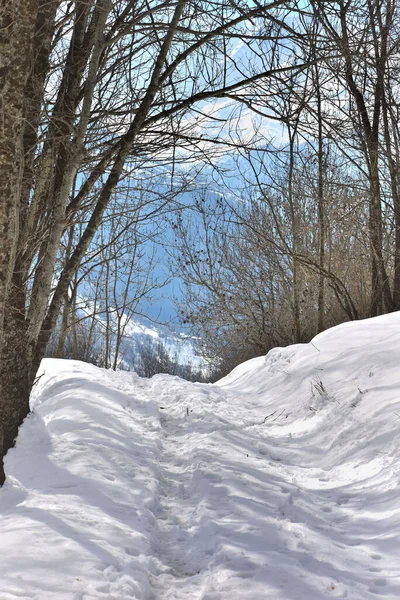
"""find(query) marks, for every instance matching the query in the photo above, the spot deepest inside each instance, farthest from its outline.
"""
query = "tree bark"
(321, 209)
(17, 21)
(16, 373)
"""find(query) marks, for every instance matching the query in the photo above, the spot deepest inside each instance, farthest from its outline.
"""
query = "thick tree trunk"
(16, 375)
(17, 21)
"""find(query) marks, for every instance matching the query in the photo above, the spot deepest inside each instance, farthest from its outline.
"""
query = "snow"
(280, 482)
(135, 328)
(180, 346)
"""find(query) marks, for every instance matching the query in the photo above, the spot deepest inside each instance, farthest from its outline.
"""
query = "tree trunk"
(293, 217)
(321, 215)
(74, 319)
(393, 155)
(64, 327)
(17, 21)
(16, 374)
(66, 303)
(381, 296)
(118, 341)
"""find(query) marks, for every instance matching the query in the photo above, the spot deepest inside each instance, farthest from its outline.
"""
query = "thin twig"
(267, 417)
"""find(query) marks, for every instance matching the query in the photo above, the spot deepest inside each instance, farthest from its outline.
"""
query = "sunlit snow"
(281, 482)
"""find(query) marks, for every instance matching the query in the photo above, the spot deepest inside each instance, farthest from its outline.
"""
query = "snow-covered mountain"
(178, 344)
(280, 482)
(140, 345)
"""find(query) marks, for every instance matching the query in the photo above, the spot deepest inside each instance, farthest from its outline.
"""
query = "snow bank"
(281, 482)
(76, 511)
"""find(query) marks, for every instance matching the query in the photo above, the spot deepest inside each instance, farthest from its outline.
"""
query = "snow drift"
(281, 482)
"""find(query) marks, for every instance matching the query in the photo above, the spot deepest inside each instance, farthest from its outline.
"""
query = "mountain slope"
(281, 482)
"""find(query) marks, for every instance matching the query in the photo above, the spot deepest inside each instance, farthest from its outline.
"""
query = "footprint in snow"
(132, 551)
(104, 588)
(377, 585)
(343, 500)
(276, 458)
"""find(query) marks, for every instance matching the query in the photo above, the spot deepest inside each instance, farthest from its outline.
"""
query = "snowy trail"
(175, 548)
(237, 513)
(282, 482)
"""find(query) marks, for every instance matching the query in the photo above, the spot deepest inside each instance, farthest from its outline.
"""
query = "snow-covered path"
(245, 520)
(282, 482)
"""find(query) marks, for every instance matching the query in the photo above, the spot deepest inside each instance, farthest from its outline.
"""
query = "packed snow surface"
(281, 482)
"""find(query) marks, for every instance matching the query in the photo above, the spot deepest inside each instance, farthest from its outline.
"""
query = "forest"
(258, 141)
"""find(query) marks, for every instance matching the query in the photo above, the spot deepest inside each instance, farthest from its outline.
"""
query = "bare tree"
(365, 37)
(93, 92)
(236, 259)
